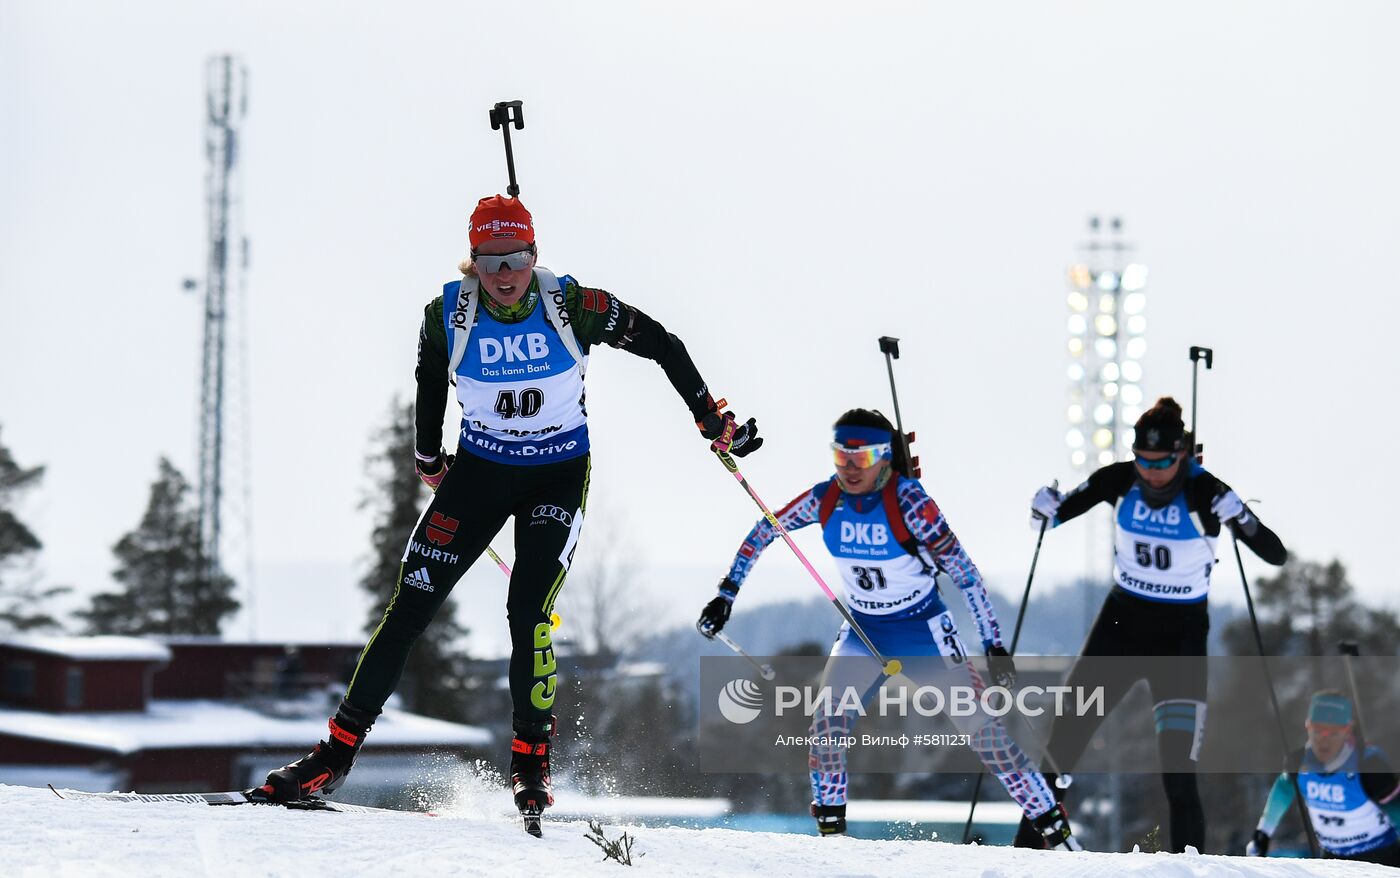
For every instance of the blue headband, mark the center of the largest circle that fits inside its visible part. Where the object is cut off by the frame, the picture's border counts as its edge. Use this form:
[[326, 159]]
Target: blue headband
[[858, 436], [1332, 710]]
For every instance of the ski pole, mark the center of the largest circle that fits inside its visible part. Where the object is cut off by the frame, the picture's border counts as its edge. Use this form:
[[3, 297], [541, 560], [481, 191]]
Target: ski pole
[[1015, 639], [890, 666], [765, 670], [1198, 353], [1030, 577], [554, 618], [890, 348], [1313, 845], [1350, 649], [499, 563], [501, 117]]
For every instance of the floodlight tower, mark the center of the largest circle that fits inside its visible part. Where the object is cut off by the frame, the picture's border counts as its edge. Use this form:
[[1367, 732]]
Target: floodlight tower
[[226, 263], [1107, 341]]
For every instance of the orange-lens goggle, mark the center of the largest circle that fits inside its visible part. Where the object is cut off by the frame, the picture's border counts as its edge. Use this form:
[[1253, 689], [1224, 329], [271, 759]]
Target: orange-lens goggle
[[864, 456], [1328, 730]]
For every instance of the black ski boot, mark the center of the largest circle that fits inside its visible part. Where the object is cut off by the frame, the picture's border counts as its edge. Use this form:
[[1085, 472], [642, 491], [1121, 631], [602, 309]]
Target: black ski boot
[[1027, 834], [831, 819], [324, 769], [529, 770], [1053, 826]]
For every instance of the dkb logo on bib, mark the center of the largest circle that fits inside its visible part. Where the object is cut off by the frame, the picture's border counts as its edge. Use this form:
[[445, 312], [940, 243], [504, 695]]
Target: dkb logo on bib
[[514, 348], [867, 534]]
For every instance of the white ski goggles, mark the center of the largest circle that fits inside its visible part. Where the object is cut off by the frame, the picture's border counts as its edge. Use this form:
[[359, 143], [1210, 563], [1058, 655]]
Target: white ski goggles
[[491, 263]]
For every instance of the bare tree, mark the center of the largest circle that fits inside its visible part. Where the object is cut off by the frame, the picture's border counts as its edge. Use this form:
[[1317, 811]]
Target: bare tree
[[605, 605]]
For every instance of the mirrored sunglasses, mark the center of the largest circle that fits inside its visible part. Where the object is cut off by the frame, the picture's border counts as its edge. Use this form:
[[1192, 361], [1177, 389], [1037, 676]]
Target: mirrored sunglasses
[[490, 263], [1164, 463], [864, 457]]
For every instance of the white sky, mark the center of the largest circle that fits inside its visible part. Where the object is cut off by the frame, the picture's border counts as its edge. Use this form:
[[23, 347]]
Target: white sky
[[779, 184]]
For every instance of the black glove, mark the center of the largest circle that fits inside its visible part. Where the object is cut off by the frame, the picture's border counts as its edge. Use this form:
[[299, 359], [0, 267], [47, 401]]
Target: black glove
[[432, 472], [716, 612], [1259, 845], [728, 435], [1001, 667]]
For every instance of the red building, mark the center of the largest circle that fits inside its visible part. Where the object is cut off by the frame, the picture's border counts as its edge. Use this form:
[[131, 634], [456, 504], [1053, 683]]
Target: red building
[[181, 714]]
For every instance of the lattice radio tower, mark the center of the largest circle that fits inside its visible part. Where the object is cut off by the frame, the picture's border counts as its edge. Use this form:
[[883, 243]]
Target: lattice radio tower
[[223, 397]]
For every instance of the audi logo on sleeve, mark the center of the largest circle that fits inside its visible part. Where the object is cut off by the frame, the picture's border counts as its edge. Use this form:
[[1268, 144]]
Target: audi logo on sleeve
[[544, 512]]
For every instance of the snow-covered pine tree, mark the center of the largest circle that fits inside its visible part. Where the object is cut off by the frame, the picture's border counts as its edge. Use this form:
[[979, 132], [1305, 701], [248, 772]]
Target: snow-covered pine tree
[[23, 603], [165, 586]]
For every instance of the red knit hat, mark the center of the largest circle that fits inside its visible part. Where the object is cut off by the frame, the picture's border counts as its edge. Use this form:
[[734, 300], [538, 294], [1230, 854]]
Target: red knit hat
[[501, 216]]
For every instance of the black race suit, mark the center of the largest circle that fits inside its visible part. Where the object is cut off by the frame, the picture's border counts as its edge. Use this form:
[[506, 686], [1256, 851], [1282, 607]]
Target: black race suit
[[478, 495], [1131, 623]]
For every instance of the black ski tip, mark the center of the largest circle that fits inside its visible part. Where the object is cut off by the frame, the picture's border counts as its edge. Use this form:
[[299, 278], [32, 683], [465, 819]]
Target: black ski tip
[[531, 814], [54, 791], [310, 803]]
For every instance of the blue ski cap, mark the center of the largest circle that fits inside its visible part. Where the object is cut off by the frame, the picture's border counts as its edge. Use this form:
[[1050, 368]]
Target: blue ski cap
[[855, 437], [1330, 709]]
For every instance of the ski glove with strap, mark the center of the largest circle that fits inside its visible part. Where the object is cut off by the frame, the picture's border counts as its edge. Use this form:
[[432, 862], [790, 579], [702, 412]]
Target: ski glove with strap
[[1045, 505], [716, 612], [1228, 506], [728, 435], [433, 470], [1001, 667]]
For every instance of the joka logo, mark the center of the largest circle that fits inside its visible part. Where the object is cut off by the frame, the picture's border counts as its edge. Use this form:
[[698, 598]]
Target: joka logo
[[868, 534], [515, 348], [740, 701], [459, 314], [554, 512], [441, 529], [419, 579], [559, 300]]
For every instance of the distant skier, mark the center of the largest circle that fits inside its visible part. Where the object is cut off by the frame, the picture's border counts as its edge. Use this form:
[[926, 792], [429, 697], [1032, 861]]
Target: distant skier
[[1168, 512], [890, 540], [1353, 796], [515, 340]]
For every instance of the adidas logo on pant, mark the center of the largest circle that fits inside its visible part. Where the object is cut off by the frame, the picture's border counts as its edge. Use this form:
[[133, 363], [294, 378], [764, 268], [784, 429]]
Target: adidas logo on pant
[[419, 579]]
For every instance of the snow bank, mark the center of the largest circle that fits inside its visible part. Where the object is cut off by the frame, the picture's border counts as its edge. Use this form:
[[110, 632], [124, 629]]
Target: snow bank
[[46, 836], [179, 724], [109, 647]]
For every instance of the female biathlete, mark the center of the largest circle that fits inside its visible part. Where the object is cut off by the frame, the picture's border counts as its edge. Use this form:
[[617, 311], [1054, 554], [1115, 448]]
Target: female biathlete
[[890, 540], [515, 340], [1352, 793], [1167, 515]]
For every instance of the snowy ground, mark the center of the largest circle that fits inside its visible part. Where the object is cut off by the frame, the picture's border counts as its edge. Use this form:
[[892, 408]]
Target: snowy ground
[[45, 836]]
